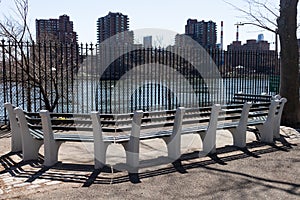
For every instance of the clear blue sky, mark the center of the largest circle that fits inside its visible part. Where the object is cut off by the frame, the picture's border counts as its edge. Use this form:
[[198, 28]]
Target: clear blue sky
[[162, 14]]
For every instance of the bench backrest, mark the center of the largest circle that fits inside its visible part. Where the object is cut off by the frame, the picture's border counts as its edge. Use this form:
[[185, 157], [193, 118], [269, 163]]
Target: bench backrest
[[200, 116], [33, 125], [240, 98], [264, 111], [154, 121], [234, 114], [201, 119]]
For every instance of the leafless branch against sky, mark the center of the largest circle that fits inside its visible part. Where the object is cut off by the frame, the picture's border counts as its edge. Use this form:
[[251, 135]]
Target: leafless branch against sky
[[261, 12]]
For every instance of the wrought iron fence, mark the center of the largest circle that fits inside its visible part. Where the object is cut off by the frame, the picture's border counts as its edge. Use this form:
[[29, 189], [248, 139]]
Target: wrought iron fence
[[114, 79]]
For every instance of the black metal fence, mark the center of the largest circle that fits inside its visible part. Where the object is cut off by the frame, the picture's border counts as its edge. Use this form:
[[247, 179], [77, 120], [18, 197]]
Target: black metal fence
[[114, 79]]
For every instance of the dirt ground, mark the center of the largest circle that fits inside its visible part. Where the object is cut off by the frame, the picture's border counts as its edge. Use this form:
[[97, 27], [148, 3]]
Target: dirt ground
[[260, 171]]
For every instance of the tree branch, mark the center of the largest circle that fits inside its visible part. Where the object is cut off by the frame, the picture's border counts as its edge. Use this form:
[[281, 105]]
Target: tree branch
[[257, 14]]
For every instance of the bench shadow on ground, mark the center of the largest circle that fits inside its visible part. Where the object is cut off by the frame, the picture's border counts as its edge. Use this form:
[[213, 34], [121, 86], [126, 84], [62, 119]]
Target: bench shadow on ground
[[87, 175]]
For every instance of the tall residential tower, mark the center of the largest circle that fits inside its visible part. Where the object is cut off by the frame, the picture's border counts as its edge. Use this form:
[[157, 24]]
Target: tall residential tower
[[112, 24], [205, 33]]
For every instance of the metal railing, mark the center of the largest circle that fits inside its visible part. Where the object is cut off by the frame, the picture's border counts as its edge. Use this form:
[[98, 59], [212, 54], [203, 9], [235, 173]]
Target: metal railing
[[82, 78]]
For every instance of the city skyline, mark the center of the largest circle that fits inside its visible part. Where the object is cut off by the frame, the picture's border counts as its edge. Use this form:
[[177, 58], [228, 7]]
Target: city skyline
[[169, 15]]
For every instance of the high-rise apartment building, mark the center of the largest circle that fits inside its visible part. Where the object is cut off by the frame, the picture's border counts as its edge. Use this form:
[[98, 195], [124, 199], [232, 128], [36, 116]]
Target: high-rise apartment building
[[205, 33], [114, 24], [58, 30]]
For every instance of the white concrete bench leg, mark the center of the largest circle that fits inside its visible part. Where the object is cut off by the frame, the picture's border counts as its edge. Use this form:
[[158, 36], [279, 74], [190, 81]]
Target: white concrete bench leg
[[174, 142], [266, 129], [16, 140], [51, 147], [209, 139], [277, 120], [30, 146], [132, 148], [100, 147], [239, 133]]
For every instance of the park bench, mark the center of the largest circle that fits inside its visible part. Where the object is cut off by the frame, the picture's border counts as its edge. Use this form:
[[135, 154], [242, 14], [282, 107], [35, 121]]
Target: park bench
[[170, 125], [52, 129], [265, 120], [240, 98], [230, 117], [134, 127], [236, 118], [65, 127], [243, 97], [128, 129]]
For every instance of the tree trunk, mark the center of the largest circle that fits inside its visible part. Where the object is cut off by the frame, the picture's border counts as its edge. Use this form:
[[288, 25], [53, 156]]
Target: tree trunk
[[289, 71]]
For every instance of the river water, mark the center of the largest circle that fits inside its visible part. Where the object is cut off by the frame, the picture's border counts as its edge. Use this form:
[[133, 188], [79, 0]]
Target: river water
[[128, 95]]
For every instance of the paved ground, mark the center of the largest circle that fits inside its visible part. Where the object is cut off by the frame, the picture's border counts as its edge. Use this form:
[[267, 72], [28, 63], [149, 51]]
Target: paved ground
[[261, 171]]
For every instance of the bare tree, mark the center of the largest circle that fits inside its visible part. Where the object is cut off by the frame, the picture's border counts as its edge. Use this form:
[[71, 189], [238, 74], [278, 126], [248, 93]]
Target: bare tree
[[34, 61], [280, 20]]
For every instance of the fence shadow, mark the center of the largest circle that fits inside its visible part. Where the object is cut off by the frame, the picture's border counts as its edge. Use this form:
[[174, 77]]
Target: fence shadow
[[86, 174]]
